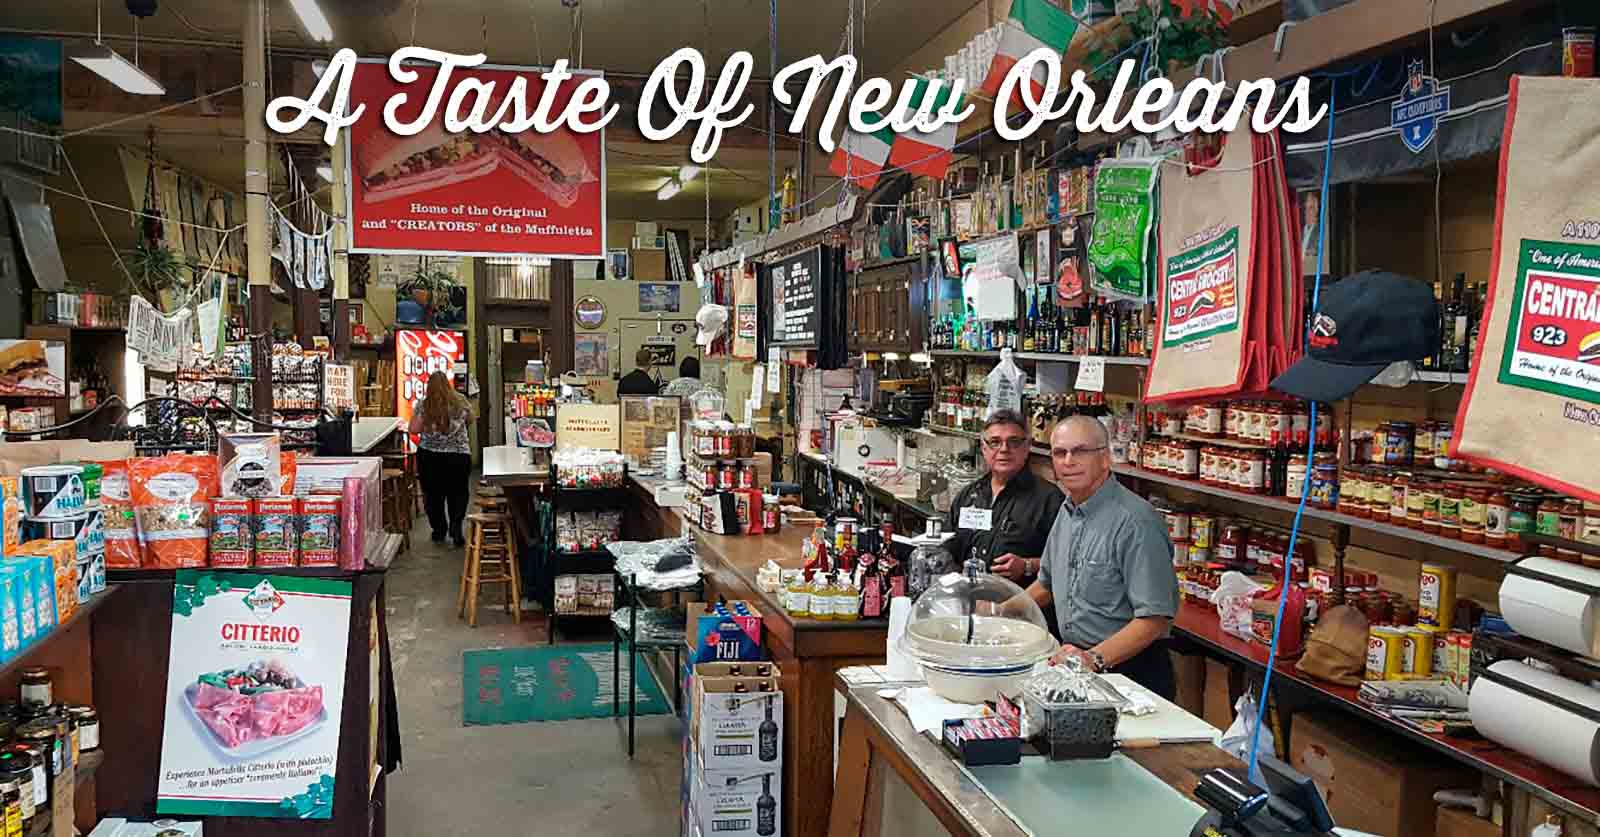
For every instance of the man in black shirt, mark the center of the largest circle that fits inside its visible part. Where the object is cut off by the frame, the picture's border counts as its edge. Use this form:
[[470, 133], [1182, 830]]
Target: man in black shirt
[[1004, 516], [639, 381]]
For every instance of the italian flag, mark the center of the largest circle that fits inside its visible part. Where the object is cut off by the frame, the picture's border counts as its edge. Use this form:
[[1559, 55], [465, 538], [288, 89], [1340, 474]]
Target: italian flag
[[862, 157], [926, 153], [1032, 24]]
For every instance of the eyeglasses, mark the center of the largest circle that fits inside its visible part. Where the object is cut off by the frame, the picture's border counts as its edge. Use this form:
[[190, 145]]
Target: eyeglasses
[[1012, 442], [1075, 452]]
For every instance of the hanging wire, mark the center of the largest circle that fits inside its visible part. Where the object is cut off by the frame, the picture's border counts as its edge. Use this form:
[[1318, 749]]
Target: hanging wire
[[538, 47], [416, 4]]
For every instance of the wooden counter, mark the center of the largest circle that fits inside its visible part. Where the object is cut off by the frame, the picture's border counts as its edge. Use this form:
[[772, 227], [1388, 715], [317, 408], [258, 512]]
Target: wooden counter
[[879, 739], [807, 651]]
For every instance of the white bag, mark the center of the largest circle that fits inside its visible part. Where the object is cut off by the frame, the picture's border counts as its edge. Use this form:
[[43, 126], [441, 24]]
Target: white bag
[[1236, 741], [1232, 598], [1004, 385]]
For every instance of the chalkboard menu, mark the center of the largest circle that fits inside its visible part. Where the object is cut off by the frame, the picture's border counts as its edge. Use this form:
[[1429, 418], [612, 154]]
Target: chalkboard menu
[[796, 283]]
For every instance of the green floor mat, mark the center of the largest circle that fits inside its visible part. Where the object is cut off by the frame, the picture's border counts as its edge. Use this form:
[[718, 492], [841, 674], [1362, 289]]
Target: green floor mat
[[550, 683]]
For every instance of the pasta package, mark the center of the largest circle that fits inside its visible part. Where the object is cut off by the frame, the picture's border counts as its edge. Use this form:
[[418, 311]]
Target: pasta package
[[62, 568], [172, 503], [123, 549], [319, 531], [277, 532], [233, 539]]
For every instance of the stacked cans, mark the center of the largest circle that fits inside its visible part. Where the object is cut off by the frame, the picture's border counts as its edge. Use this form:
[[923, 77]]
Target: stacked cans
[[62, 503]]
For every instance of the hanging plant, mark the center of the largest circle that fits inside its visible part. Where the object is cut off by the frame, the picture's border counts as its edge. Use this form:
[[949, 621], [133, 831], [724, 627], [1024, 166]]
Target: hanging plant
[[428, 288], [1188, 30], [155, 265]]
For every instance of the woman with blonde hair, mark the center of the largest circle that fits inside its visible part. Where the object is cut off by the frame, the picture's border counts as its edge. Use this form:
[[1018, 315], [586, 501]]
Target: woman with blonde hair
[[444, 458]]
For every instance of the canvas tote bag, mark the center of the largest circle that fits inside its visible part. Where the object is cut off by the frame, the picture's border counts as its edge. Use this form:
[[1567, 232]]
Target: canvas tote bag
[[1532, 403], [1204, 344]]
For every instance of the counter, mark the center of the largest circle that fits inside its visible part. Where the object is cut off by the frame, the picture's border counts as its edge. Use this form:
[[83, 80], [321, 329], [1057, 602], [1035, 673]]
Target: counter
[[504, 465], [368, 432], [808, 651], [886, 767]]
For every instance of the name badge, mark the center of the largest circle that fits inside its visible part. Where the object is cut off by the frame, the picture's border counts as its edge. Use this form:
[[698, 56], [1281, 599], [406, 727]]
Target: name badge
[[975, 518]]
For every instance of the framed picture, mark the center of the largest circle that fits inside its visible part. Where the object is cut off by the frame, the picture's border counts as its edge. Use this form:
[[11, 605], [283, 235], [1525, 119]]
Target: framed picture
[[658, 297], [617, 261], [591, 355], [590, 312]]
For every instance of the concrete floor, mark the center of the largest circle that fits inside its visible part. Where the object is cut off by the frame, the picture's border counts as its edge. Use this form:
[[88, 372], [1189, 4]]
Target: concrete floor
[[566, 777]]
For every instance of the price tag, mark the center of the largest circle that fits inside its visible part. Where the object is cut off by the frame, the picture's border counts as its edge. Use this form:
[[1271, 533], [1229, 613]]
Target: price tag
[[774, 369], [974, 518], [1091, 375]]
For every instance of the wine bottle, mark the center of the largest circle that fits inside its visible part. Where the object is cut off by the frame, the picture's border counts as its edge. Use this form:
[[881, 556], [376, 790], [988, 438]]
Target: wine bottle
[[766, 807], [767, 736]]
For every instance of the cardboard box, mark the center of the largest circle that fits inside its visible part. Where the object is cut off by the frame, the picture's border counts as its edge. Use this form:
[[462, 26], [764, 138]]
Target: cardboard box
[[1454, 822], [1190, 672], [41, 574], [1372, 782], [1217, 704], [739, 803], [713, 636], [738, 719], [326, 475], [61, 558]]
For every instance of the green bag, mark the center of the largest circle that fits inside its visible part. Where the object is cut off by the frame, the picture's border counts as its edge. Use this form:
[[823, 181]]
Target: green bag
[[1124, 223]]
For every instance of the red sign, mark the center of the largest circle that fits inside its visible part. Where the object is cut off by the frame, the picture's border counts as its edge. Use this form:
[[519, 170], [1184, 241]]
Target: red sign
[[420, 354], [471, 194]]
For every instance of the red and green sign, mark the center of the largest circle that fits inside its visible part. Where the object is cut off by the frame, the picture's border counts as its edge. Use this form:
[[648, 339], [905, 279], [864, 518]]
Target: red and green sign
[[1553, 340], [1202, 291]]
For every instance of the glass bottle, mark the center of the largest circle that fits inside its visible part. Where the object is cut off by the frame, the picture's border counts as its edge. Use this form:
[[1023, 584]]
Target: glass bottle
[[822, 598]]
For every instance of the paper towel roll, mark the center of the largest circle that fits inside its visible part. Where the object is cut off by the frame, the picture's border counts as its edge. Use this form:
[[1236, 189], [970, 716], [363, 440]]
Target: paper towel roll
[[1548, 612], [1562, 739], [899, 664]]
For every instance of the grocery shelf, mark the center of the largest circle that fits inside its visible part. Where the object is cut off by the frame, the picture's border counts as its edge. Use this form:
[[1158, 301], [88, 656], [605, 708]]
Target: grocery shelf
[[1207, 440], [1288, 506], [890, 262], [1421, 377], [951, 431], [1199, 624]]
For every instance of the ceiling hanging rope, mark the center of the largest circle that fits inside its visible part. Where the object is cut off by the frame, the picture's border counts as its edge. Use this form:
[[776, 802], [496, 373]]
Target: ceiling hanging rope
[[538, 47], [772, 116]]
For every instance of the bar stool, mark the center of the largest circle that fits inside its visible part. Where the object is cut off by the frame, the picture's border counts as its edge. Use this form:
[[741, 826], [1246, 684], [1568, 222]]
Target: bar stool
[[397, 515], [491, 559]]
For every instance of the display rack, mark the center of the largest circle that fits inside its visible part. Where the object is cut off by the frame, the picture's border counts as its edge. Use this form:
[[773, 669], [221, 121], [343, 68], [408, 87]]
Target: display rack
[[587, 562], [629, 587]]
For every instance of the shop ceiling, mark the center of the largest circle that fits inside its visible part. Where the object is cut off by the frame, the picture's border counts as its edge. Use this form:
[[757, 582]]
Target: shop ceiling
[[619, 36]]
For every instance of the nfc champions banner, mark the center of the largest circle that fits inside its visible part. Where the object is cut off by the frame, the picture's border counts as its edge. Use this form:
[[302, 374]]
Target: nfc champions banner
[[255, 688], [1532, 403]]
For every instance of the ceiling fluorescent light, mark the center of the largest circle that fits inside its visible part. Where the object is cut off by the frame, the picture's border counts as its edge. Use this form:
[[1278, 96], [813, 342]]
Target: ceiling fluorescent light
[[688, 173], [325, 171], [104, 62], [668, 189], [312, 18]]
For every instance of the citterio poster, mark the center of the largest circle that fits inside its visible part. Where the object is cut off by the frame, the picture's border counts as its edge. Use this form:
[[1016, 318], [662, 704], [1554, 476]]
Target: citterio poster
[[468, 193], [255, 688]]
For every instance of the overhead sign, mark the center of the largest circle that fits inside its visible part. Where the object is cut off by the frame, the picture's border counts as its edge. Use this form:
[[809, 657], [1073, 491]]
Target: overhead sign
[[467, 193], [255, 692], [1423, 102], [799, 307]]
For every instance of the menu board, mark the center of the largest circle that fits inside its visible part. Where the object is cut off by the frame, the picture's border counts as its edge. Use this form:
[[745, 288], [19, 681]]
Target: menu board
[[795, 281]]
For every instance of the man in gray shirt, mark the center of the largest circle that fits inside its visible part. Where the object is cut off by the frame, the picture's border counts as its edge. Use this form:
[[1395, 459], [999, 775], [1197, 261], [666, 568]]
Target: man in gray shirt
[[1107, 565]]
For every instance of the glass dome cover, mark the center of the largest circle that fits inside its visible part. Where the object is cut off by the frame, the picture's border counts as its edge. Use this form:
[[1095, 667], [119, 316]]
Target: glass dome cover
[[976, 623]]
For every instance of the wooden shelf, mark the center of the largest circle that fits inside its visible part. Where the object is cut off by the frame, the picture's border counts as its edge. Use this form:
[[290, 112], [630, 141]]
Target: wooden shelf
[[22, 659], [1199, 624], [1287, 506]]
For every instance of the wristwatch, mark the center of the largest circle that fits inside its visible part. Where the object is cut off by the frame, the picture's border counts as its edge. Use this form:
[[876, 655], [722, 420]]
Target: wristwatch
[[1096, 660]]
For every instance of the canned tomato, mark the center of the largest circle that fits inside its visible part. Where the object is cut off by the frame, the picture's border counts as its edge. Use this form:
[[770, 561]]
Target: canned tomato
[[1177, 525]]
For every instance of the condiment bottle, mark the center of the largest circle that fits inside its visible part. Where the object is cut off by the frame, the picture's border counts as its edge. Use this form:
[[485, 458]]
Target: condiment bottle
[[1450, 495], [1380, 494], [1415, 503], [1473, 503], [1547, 521], [1570, 528], [1496, 518]]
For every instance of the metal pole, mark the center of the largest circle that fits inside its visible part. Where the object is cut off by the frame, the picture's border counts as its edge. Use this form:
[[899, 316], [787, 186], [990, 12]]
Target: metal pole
[[341, 257], [258, 238]]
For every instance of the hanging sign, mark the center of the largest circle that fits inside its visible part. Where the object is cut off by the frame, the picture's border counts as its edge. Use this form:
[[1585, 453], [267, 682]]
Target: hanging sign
[[595, 426], [1422, 104], [255, 692], [794, 281], [989, 283], [440, 189]]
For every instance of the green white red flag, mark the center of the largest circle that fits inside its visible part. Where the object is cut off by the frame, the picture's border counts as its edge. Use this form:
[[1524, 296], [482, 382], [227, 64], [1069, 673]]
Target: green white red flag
[[1032, 24], [860, 158], [927, 153]]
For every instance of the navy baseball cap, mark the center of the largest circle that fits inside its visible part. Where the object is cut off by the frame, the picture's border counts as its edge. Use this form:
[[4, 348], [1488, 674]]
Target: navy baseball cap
[[1365, 322]]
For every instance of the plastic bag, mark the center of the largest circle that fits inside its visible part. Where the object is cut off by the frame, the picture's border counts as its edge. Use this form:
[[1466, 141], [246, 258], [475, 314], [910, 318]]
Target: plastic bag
[[1004, 385], [172, 501], [1232, 599], [123, 548], [1236, 740]]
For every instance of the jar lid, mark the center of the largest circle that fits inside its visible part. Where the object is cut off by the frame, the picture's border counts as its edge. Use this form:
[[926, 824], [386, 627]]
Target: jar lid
[[35, 672]]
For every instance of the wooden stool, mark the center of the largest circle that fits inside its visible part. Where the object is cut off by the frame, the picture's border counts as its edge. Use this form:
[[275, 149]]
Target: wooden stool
[[491, 559], [397, 514]]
